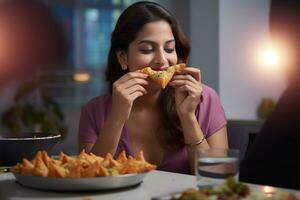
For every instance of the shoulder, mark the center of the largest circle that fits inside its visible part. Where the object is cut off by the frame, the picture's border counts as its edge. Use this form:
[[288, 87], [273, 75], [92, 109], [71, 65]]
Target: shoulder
[[209, 94], [96, 109], [98, 102], [210, 101], [210, 112], [97, 106]]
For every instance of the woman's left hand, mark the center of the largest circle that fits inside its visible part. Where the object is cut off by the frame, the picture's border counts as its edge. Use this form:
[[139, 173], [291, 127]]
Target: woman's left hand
[[188, 90]]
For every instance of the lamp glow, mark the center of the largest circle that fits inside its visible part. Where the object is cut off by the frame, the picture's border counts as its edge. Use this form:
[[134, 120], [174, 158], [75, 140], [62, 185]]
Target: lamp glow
[[81, 77], [270, 58], [268, 190], [274, 57]]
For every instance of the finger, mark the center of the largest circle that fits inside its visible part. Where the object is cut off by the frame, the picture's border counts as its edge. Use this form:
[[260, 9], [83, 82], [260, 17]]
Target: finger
[[129, 83], [135, 95], [186, 77], [179, 83], [195, 72], [132, 75], [135, 81], [187, 80], [190, 90], [136, 88]]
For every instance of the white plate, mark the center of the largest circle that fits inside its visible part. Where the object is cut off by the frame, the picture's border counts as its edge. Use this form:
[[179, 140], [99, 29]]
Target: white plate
[[257, 192], [81, 184]]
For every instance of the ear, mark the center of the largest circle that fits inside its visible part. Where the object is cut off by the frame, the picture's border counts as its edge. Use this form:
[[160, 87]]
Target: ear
[[122, 58]]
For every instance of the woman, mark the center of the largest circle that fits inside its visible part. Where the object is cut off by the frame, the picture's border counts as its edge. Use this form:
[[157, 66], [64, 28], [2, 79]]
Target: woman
[[167, 124]]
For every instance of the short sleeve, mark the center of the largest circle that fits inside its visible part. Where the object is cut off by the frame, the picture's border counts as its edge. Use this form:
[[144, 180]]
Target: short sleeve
[[92, 118], [87, 131], [210, 112]]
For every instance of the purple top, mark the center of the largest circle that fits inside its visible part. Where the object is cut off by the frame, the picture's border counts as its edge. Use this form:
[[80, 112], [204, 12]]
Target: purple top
[[210, 115]]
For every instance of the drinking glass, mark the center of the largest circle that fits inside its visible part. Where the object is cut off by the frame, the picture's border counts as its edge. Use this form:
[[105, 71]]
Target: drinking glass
[[213, 166]]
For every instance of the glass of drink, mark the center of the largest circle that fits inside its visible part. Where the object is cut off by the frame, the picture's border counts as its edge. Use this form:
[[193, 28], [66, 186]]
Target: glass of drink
[[213, 166]]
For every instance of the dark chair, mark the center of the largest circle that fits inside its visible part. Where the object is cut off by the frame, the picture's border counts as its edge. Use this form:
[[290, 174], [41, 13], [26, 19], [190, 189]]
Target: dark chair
[[241, 134], [251, 138]]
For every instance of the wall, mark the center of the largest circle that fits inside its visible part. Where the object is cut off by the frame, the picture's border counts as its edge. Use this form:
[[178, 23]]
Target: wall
[[199, 20], [243, 28], [224, 37], [204, 28]]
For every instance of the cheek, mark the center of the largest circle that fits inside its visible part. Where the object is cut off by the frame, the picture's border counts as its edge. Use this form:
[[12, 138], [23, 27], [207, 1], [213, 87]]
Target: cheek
[[173, 59], [139, 61]]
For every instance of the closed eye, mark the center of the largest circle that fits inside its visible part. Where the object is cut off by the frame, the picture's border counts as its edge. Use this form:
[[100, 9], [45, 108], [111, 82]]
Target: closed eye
[[146, 51], [168, 50]]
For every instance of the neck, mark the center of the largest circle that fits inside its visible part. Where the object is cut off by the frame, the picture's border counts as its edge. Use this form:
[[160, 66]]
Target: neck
[[148, 101]]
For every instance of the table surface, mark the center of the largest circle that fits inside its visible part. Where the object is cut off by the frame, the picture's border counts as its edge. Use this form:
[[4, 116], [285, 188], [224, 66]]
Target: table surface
[[156, 183]]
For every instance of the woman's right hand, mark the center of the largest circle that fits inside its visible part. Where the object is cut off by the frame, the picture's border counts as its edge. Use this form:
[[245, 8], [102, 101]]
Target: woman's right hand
[[124, 91]]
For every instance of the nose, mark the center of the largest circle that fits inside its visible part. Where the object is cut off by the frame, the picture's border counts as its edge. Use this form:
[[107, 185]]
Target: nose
[[160, 58]]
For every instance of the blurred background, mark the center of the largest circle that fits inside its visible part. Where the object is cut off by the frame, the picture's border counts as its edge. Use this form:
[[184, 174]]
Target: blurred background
[[64, 59]]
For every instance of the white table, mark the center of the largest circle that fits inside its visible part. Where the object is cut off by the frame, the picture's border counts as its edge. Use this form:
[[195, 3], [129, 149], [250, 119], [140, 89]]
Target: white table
[[156, 183]]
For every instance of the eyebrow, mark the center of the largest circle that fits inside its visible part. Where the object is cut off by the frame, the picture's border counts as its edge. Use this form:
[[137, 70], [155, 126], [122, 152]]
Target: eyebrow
[[152, 42]]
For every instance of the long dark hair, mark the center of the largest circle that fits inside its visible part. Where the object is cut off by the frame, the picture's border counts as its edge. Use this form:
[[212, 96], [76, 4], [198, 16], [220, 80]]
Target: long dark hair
[[128, 25]]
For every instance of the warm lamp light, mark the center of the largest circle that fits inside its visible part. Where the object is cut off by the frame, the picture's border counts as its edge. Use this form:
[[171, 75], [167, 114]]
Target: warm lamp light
[[268, 190], [30, 39], [81, 77], [273, 58], [270, 58]]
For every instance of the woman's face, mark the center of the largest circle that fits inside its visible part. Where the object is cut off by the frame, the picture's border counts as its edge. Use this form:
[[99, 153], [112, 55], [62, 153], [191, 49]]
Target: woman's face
[[154, 47]]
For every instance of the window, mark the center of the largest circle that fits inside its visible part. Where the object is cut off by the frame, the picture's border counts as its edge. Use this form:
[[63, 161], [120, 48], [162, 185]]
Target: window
[[88, 25]]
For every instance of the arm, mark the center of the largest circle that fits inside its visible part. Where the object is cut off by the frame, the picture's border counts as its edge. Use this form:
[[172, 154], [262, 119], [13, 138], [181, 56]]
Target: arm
[[125, 91], [188, 90], [192, 132]]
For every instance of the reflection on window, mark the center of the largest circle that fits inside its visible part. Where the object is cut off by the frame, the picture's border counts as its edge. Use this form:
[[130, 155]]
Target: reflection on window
[[97, 29], [87, 25]]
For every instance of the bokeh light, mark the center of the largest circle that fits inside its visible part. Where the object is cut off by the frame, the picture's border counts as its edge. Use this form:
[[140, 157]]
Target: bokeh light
[[81, 77], [273, 58], [270, 58]]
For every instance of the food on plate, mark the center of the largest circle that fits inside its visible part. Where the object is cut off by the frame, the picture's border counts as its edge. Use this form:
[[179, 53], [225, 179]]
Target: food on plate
[[232, 190], [163, 77], [83, 165]]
